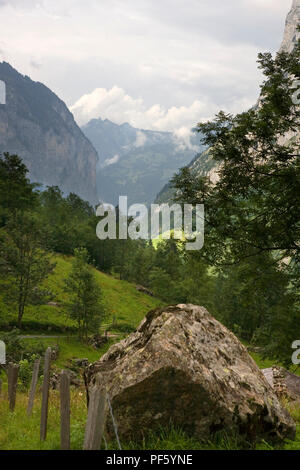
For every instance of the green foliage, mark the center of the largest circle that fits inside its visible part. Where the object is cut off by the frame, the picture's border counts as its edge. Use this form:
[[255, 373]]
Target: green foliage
[[18, 348], [252, 212], [25, 372], [84, 304], [255, 205], [23, 262], [121, 327], [17, 432], [13, 345], [16, 191]]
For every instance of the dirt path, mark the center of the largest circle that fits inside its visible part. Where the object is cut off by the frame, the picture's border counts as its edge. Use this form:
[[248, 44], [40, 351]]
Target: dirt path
[[109, 335]]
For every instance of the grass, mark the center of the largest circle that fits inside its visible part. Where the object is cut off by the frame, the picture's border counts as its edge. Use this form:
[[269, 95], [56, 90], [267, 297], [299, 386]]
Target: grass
[[126, 307], [19, 432], [71, 348], [121, 300], [266, 363]]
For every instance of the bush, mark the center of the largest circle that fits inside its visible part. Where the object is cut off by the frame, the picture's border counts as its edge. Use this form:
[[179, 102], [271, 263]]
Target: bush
[[25, 373], [121, 327]]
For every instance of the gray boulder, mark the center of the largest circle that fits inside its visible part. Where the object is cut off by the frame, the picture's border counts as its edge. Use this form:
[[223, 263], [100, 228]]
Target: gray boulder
[[183, 367], [284, 383]]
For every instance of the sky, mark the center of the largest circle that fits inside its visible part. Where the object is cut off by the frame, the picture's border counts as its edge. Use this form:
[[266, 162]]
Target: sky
[[158, 64]]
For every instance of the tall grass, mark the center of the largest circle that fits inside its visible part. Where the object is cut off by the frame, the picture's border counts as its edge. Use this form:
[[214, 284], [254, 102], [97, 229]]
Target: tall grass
[[19, 432]]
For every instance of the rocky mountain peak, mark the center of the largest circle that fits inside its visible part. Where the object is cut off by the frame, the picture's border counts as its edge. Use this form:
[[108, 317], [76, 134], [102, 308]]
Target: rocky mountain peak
[[36, 125], [290, 33]]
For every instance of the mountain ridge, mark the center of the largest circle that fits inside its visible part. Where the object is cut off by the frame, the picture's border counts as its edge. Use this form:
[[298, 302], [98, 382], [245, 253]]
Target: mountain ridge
[[37, 125], [136, 162]]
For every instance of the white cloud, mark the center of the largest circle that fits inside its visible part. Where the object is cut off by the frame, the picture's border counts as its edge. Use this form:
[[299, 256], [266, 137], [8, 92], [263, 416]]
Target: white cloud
[[174, 62], [111, 161], [141, 139], [113, 104], [118, 106], [182, 137]]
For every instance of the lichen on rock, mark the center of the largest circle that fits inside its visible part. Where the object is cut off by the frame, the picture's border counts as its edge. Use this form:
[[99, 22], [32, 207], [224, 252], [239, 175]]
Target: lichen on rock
[[183, 367]]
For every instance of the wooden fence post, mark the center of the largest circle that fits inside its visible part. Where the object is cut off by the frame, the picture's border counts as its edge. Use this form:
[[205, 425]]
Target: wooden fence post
[[9, 376], [13, 373], [64, 410], [96, 419], [34, 380], [45, 395]]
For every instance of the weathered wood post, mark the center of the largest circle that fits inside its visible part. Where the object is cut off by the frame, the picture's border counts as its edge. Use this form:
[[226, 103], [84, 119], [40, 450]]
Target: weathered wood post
[[34, 380], [13, 373], [96, 419], [9, 372], [64, 410], [45, 395]]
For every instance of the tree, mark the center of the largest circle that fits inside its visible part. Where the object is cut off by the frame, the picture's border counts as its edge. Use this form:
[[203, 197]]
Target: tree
[[24, 264], [255, 205], [252, 213], [84, 304], [16, 191]]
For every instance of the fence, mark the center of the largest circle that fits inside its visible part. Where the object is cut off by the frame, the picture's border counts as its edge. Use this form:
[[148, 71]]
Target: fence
[[98, 407]]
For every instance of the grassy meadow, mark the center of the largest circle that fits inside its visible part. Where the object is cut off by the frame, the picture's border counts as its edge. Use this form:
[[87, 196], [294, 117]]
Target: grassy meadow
[[19, 432], [49, 325]]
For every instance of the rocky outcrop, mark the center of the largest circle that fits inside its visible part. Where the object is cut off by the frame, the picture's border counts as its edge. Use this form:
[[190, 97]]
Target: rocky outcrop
[[284, 383], [182, 366], [291, 35], [37, 125], [144, 290]]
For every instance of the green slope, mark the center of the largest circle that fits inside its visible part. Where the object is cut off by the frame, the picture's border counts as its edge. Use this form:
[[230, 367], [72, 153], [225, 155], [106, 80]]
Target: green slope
[[121, 300]]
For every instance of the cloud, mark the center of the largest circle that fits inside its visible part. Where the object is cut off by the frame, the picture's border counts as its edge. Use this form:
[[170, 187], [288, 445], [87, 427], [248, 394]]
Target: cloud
[[141, 139], [182, 138], [28, 4], [118, 106], [157, 65], [35, 65], [111, 161], [113, 104]]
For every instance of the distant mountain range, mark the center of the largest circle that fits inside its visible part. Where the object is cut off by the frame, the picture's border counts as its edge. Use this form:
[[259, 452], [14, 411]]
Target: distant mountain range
[[37, 125], [102, 161], [134, 162]]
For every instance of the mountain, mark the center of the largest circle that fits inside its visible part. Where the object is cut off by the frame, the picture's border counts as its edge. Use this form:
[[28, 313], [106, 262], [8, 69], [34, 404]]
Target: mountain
[[136, 162], [37, 125], [290, 33], [203, 164]]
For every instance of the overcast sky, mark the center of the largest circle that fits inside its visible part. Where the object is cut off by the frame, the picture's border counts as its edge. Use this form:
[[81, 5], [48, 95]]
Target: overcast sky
[[157, 64]]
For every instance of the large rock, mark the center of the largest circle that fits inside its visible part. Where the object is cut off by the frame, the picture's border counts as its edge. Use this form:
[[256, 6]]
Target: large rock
[[284, 383], [182, 366]]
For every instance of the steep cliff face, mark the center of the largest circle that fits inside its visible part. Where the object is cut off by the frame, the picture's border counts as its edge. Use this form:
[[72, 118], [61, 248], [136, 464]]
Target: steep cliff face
[[37, 125], [291, 35]]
